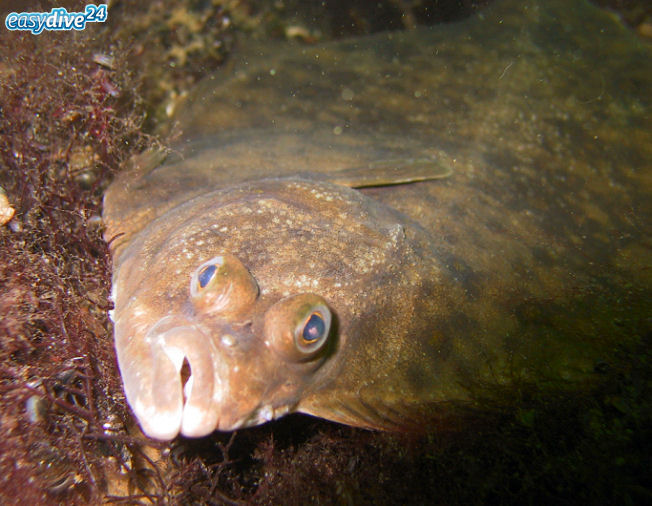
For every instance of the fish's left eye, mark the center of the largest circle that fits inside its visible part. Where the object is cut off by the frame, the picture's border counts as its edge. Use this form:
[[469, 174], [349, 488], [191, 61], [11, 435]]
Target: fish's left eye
[[223, 286], [205, 275]]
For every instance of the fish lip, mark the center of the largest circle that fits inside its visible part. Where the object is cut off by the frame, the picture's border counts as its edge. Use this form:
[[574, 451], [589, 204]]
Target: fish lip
[[158, 399]]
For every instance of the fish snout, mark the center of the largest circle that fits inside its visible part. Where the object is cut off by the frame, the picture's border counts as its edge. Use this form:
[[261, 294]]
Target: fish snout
[[163, 404], [176, 372]]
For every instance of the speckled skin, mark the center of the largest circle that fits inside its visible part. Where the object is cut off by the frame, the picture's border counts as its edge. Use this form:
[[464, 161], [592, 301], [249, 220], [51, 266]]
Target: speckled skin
[[508, 270]]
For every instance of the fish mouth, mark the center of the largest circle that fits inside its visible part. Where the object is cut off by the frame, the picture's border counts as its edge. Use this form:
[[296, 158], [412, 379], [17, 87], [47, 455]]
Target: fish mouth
[[166, 405]]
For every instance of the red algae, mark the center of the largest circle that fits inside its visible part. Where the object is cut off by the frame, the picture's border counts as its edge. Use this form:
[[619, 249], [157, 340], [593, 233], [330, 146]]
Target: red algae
[[61, 136]]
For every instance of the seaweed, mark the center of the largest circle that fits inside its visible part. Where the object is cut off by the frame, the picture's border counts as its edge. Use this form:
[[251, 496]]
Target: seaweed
[[63, 124]]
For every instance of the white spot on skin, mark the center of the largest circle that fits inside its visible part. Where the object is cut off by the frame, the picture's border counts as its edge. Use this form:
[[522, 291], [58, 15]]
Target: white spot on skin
[[267, 413], [347, 94]]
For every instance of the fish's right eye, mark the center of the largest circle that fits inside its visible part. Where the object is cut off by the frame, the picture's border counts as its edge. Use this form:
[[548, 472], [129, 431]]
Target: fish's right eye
[[223, 285], [298, 327], [314, 328]]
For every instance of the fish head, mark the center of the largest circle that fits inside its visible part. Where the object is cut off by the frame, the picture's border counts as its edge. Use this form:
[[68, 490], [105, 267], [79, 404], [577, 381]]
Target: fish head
[[232, 307], [225, 359]]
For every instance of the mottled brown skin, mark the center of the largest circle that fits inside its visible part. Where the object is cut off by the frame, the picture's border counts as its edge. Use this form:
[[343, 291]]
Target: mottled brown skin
[[295, 237], [500, 273]]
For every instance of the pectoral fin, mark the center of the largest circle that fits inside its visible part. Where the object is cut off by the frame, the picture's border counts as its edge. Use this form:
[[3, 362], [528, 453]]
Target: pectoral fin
[[389, 172]]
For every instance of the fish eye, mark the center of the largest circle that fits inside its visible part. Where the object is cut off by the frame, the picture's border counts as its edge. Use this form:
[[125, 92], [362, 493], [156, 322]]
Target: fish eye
[[298, 327], [313, 329], [222, 285], [206, 274]]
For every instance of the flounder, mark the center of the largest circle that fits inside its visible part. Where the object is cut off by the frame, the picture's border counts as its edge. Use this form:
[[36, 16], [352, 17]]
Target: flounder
[[366, 230]]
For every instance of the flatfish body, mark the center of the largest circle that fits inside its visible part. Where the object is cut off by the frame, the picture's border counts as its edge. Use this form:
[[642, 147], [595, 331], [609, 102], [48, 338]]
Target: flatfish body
[[374, 230]]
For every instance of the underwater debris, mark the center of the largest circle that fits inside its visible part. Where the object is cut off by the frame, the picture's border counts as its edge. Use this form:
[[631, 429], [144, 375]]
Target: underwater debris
[[6, 211]]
